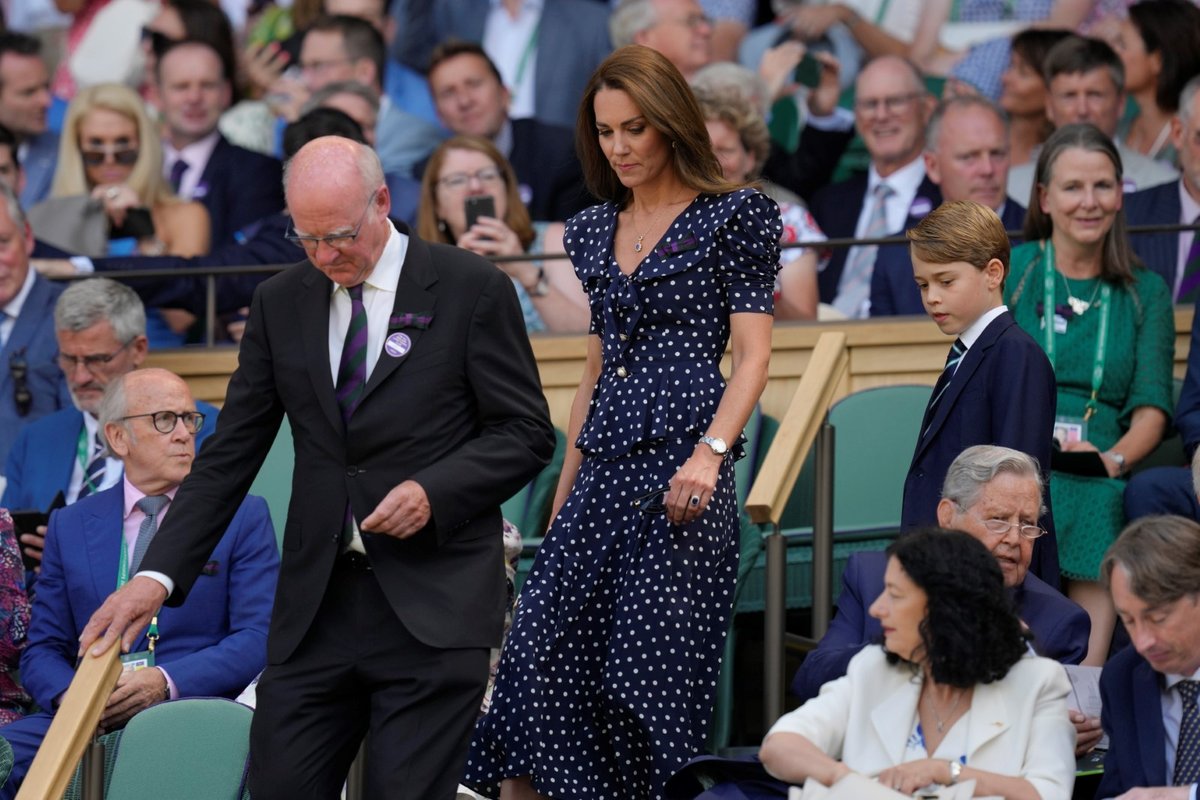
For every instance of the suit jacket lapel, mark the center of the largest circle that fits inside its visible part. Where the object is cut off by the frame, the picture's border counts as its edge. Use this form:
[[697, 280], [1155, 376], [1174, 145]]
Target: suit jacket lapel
[[314, 310], [28, 321], [893, 718], [988, 717], [1148, 720], [102, 532]]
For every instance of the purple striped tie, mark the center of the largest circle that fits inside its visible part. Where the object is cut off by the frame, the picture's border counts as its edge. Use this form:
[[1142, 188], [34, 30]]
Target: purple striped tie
[[352, 370], [1189, 287]]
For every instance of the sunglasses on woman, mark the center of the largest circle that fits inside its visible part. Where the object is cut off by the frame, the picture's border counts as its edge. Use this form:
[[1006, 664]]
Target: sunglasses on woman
[[125, 156]]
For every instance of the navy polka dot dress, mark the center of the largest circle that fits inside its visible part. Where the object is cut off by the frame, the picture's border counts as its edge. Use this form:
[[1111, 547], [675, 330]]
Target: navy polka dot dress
[[607, 679]]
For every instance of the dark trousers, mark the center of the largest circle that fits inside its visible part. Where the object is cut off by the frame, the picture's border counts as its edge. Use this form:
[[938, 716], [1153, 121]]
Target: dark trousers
[[359, 671]]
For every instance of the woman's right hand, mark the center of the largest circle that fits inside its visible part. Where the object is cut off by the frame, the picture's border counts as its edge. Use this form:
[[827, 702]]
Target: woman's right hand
[[489, 237], [117, 198]]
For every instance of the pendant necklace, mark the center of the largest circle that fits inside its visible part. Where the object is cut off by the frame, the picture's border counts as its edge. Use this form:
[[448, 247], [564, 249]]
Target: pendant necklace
[[1078, 305], [937, 718], [637, 246]]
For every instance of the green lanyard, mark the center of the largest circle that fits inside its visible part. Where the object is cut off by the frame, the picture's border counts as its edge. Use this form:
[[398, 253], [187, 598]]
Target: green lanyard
[[956, 9], [883, 9], [525, 54], [1048, 314], [122, 579], [82, 452]]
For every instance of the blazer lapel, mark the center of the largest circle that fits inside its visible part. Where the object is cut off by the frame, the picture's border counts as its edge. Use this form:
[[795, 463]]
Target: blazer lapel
[[1149, 723], [988, 717], [314, 311], [893, 718], [102, 532]]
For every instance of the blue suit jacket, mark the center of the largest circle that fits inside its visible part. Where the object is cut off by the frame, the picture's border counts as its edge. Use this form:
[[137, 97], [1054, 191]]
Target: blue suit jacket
[[1157, 205], [1132, 718], [238, 187], [41, 460], [32, 338], [836, 209], [1003, 394], [893, 290], [1060, 627], [214, 644], [1187, 412], [572, 40], [38, 165]]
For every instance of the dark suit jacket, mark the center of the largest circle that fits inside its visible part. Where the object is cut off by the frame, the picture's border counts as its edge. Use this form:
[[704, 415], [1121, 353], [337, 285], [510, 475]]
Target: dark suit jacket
[[461, 413], [1060, 627], [32, 339], [1003, 394], [40, 463], [812, 165], [572, 40], [836, 209], [214, 645], [1187, 412], [238, 187], [893, 290], [1158, 205], [1132, 718]]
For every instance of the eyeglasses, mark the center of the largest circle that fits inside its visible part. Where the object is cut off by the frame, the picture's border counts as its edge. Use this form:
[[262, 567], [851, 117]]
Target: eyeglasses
[[68, 363], [18, 370], [892, 105], [1001, 527], [459, 180], [322, 65], [125, 156], [164, 421], [338, 241], [694, 21], [652, 502], [159, 41]]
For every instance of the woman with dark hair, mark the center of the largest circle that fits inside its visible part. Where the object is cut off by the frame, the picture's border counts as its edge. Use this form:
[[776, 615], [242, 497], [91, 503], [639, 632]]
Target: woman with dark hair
[[1159, 44], [1106, 324], [607, 680], [466, 167], [954, 694], [193, 21], [1023, 92]]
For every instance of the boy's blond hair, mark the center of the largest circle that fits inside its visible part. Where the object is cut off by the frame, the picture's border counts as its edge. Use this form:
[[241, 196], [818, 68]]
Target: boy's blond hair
[[961, 231]]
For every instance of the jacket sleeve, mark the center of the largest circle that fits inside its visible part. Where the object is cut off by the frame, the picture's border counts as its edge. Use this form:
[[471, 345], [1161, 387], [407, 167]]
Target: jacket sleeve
[[48, 663], [842, 641]]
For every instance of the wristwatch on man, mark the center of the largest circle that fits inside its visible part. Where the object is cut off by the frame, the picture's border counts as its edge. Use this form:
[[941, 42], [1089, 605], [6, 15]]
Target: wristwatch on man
[[717, 445]]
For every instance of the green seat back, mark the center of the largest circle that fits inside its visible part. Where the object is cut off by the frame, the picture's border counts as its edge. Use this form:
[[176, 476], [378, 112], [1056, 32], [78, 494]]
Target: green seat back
[[274, 479]]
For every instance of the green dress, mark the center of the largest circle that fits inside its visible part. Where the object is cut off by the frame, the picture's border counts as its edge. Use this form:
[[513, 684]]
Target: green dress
[[1139, 355]]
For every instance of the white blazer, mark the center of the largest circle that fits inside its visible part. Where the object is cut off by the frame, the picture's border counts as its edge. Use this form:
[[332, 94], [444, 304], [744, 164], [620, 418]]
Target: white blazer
[[1017, 726]]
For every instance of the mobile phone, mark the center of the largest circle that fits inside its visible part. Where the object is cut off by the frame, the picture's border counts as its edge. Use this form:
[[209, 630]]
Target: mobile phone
[[138, 223], [808, 71], [478, 205], [27, 521]]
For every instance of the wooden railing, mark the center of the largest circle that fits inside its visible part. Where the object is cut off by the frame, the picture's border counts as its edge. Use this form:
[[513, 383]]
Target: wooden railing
[[803, 425], [73, 727]]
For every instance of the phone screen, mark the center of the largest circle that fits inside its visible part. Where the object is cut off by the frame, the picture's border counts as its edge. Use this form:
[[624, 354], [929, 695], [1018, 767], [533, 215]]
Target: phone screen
[[479, 205]]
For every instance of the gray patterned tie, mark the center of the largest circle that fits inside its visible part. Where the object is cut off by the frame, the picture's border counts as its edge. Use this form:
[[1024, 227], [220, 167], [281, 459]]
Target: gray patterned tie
[[854, 287], [150, 505]]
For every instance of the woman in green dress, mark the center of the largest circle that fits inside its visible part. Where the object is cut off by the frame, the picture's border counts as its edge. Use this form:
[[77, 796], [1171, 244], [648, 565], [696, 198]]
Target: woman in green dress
[[1107, 325]]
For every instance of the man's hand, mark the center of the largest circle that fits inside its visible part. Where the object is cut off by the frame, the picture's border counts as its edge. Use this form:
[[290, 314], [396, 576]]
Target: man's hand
[[402, 513], [823, 99], [134, 691], [1087, 732], [124, 615], [32, 545], [1157, 793]]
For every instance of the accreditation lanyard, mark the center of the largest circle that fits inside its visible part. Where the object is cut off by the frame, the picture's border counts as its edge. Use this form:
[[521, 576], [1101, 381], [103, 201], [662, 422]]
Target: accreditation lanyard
[[526, 54], [1048, 331], [956, 9], [122, 579], [83, 452]]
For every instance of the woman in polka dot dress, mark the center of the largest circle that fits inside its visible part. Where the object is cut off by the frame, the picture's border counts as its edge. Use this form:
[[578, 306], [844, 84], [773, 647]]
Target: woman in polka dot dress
[[606, 683]]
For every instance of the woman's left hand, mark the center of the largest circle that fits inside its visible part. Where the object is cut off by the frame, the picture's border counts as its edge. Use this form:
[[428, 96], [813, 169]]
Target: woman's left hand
[[907, 778], [695, 481], [1114, 469], [117, 199], [490, 237]]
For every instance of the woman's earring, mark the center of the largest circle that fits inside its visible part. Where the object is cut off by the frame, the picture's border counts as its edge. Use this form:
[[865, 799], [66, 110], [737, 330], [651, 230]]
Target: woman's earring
[[442, 225]]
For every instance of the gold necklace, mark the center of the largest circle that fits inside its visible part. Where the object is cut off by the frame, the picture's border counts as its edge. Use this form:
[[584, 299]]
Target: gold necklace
[[937, 718], [637, 246], [1077, 305]]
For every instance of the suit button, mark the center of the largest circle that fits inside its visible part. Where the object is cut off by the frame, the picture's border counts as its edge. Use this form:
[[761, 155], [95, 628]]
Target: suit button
[[351, 471], [622, 372]]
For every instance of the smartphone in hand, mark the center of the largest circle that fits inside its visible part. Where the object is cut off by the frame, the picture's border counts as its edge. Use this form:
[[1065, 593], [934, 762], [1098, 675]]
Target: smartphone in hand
[[478, 205]]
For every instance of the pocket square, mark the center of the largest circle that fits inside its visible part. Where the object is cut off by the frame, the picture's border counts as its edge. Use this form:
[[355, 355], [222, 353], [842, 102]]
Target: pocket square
[[211, 568], [418, 321], [681, 245]]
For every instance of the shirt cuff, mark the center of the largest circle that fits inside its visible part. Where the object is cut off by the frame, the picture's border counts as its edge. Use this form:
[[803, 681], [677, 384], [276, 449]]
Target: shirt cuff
[[840, 120], [166, 582], [82, 264], [172, 692]]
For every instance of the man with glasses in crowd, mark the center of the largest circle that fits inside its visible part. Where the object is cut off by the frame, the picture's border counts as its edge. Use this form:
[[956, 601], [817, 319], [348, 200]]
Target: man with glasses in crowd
[[211, 646], [100, 326], [31, 384]]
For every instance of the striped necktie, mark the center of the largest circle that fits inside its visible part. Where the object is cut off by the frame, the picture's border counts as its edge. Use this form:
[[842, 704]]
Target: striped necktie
[[1187, 750], [93, 472], [953, 359], [854, 286], [352, 370], [150, 505], [1189, 287]]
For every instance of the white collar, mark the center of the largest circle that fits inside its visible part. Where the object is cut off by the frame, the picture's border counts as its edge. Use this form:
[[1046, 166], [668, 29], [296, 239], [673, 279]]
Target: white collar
[[972, 334], [1189, 208], [195, 154], [386, 272], [14, 306], [904, 181]]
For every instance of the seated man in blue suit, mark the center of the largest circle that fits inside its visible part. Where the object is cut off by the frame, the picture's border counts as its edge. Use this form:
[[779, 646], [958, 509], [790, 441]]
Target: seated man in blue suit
[[100, 327], [25, 102], [1149, 690], [213, 644], [994, 494], [966, 156]]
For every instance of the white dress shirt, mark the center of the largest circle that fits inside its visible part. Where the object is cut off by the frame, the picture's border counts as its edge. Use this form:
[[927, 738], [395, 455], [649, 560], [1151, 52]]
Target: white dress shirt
[[1189, 209], [13, 309], [512, 46], [972, 334], [112, 466], [196, 155]]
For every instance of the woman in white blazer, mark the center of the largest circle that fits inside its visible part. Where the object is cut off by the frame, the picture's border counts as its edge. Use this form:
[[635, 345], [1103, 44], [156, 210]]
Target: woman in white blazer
[[954, 694]]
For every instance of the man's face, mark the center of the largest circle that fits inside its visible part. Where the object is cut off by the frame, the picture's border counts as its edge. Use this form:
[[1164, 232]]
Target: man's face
[[1008, 498], [92, 357], [1086, 97], [192, 93], [154, 460], [323, 60], [890, 110], [357, 109], [1185, 134], [470, 100], [1167, 636], [340, 210], [682, 33], [16, 243], [971, 160], [24, 94]]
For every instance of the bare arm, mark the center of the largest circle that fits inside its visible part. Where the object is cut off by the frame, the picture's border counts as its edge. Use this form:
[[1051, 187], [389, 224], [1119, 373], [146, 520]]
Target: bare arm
[[792, 758], [579, 409], [798, 287], [926, 41], [1145, 432], [185, 229], [908, 777]]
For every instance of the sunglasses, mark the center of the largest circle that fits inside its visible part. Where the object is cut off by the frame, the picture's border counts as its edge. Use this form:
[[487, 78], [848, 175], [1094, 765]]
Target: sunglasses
[[18, 370], [126, 156], [653, 502]]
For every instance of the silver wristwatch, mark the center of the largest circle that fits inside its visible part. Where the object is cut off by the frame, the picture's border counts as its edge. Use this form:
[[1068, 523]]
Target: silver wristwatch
[[717, 444]]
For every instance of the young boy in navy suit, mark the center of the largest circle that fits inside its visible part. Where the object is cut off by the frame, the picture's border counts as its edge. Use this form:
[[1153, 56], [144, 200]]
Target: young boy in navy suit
[[997, 386]]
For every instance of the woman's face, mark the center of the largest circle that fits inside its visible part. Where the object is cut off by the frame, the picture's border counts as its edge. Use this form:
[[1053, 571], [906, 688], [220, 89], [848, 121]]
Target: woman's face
[[467, 173], [1082, 196], [637, 152], [900, 610], [1141, 68], [737, 163], [1022, 92], [108, 144]]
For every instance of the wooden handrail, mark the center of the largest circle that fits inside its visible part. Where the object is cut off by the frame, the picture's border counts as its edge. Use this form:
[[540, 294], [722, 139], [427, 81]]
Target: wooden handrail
[[73, 727], [772, 487]]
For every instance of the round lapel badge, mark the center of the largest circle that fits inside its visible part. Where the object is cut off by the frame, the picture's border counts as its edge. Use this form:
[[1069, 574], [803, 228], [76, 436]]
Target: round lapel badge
[[397, 345]]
